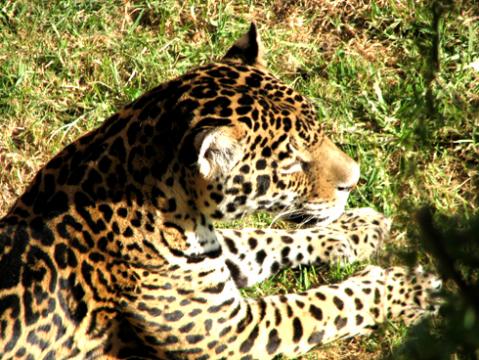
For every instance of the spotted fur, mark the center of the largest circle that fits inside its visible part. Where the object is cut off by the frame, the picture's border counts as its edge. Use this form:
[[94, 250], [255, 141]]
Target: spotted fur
[[111, 251]]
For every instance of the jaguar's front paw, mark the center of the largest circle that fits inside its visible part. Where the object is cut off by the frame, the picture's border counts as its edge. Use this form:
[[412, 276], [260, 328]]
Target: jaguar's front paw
[[411, 294], [365, 228]]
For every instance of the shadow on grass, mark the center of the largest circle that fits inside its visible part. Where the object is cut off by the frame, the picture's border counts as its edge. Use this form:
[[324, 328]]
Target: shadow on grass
[[452, 242], [455, 249]]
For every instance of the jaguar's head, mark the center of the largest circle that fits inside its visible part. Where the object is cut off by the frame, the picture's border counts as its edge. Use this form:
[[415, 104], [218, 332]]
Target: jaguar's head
[[256, 144]]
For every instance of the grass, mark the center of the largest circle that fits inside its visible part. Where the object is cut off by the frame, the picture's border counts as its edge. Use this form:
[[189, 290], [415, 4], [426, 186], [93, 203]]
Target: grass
[[396, 86]]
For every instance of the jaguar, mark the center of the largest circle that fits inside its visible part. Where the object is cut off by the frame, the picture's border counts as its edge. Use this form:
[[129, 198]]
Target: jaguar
[[111, 252]]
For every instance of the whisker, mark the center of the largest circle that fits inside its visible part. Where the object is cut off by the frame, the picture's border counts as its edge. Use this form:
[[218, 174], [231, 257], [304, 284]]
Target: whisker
[[283, 214]]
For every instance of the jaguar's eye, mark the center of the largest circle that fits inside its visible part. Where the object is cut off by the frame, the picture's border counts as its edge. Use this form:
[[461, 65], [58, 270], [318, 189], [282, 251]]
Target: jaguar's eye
[[305, 165], [296, 166], [299, 161], [291, 168]]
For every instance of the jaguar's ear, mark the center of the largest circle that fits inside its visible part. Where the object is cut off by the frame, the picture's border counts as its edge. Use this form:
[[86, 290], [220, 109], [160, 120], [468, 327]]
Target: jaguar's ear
[[248, 49], [218, 152]]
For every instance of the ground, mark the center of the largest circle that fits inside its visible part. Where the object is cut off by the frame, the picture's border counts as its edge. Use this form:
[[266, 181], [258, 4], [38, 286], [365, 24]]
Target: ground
[[396, 85]]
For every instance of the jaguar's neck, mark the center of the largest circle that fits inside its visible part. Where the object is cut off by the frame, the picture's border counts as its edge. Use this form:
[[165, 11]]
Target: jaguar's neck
[[138, 222], [100, 201]]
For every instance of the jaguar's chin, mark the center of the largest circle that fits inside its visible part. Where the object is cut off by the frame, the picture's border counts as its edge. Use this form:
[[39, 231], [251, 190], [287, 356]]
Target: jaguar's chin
[[306, 220], [308, 217]]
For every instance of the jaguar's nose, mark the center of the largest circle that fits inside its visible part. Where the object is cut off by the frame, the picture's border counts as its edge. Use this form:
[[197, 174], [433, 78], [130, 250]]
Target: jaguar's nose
[[350, 176]]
